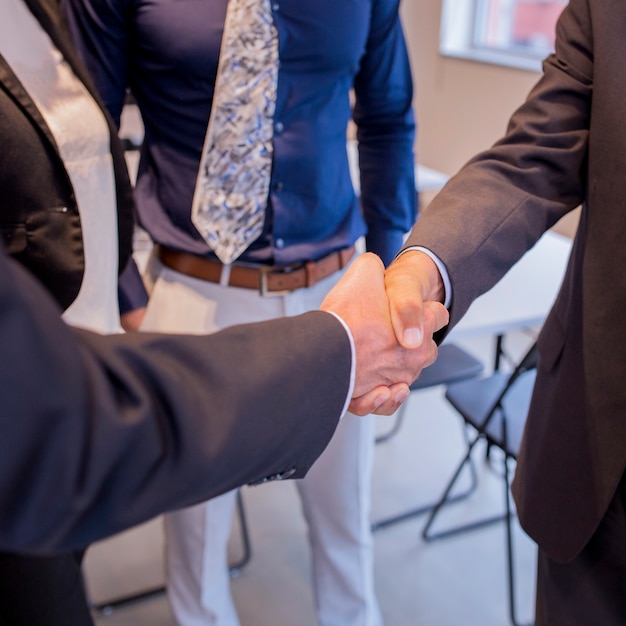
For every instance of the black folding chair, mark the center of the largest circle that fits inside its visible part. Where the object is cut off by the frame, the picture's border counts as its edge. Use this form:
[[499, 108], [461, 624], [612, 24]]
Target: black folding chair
[[452, 364], [495, 407]]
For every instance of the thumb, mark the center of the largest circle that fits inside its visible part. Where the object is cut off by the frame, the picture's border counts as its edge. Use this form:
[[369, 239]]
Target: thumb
[[406, 307], [411, 280]]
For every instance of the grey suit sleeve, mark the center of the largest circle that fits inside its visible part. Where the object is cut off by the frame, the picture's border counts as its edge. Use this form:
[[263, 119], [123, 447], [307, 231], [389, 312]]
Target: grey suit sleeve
[[504, 199], [101, 433]]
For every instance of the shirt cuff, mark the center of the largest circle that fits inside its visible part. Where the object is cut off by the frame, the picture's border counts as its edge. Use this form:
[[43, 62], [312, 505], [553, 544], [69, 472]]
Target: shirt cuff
[[447, 285], [353, 362]]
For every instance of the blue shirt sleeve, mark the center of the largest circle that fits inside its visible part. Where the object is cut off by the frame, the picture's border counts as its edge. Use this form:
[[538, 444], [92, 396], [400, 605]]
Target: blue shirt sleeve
[[385, 122], [132, 293], [103, 46]]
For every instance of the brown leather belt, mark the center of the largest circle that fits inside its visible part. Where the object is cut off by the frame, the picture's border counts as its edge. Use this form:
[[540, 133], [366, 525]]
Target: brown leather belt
[[266, 279]]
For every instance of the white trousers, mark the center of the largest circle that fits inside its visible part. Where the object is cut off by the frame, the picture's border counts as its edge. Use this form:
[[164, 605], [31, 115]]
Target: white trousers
[[335, 494]]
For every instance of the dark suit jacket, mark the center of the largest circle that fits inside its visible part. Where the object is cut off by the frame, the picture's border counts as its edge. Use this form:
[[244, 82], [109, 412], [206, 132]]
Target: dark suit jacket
[[39, 218], [101, 433], [565, 146]]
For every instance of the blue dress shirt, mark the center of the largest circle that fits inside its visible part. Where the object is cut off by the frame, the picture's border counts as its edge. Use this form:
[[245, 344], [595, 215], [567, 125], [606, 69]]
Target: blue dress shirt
[[166, 52]]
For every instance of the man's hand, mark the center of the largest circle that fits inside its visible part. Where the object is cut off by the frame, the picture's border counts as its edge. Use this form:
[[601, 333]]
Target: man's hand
[[382, 400], [131, 321], [414, 287], [384, 369]]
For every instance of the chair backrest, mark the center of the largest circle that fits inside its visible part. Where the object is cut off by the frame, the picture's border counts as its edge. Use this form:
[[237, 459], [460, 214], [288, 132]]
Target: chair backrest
[[526, 364], [453, 364], [505, 425], [497, 405]]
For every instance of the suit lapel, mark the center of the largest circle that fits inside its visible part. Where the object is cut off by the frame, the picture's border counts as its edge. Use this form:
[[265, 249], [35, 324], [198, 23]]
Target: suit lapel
[[12, 86], [45, 13], [48, 15]]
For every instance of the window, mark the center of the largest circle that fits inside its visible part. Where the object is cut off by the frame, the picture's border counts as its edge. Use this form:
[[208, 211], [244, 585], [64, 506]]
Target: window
[[518, 33]]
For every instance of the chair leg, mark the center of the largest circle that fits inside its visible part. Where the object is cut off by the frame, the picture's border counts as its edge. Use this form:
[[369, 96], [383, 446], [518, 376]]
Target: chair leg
[[499, 352], [446, 499], [425, 508], [108, 606], [509, 541], [395, 428], [498, 355], [237, 567]]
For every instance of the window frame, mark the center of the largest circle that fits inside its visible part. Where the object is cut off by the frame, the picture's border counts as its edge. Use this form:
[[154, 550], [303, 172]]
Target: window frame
[[463, 25]]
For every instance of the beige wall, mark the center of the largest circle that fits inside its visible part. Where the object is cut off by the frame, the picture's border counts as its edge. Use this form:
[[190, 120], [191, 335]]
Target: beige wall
[[461, 106]]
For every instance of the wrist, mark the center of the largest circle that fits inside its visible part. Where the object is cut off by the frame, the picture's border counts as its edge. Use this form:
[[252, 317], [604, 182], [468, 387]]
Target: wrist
[[425, 271]]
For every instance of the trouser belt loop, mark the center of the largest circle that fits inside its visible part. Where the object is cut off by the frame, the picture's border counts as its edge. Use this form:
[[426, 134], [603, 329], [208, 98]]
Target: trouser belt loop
[[225, 276]]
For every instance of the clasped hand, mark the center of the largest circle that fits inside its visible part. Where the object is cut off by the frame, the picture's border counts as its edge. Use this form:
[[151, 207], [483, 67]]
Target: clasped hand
[[393, 337]]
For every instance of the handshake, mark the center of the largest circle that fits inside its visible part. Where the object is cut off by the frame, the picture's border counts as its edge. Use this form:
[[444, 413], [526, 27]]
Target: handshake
[[392, 316]]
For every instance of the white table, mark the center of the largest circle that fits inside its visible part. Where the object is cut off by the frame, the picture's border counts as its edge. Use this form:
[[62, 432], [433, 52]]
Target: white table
[[428, 179], [524, 296]]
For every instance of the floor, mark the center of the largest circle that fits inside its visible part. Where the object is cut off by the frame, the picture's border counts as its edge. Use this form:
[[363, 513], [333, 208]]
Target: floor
[[460, 580]]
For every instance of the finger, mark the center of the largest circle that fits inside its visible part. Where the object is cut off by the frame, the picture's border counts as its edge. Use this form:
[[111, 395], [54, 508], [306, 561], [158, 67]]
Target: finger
[[380, 401], [370, 401], [399, 393]]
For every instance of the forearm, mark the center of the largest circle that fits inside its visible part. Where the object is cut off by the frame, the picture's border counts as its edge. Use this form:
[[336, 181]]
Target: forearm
[[114, 430]]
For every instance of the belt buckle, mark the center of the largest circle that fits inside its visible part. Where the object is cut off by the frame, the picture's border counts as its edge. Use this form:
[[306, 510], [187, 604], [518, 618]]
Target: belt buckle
[[264, 272]]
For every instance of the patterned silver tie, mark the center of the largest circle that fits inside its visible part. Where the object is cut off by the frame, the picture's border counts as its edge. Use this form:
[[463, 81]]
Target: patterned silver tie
[[233, 180]]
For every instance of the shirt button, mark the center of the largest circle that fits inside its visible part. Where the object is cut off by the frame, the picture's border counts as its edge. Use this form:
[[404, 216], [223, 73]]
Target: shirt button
[[275, 6], [280, 244], [279, 127], [278, 186]]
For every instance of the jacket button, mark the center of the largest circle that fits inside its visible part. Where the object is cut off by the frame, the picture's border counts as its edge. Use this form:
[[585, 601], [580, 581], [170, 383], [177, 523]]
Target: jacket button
[[279, 476], [288, 474]]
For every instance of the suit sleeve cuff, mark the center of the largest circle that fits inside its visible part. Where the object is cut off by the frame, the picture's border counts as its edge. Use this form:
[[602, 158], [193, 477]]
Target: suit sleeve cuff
[[353, 363], [447, 285]]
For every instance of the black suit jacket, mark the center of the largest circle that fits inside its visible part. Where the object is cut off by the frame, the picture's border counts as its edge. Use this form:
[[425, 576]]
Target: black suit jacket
[[564, 147], [101, 433], [98, 434], [39, 218]]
